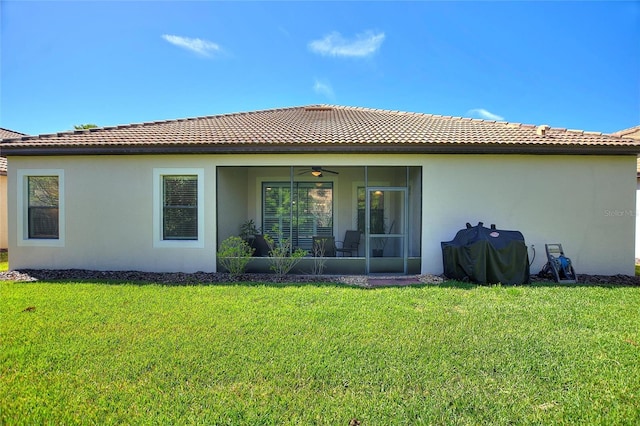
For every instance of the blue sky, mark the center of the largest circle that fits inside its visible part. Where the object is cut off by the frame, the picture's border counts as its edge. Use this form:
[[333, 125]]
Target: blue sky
[[566, 64]]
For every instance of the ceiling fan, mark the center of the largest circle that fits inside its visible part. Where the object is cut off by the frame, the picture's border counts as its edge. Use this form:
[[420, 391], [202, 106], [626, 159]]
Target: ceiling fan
[[317, 171]]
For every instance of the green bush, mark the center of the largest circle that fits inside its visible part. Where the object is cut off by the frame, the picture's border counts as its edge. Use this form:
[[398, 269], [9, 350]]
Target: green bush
[[234, 254], [280, 255], [4, 261]]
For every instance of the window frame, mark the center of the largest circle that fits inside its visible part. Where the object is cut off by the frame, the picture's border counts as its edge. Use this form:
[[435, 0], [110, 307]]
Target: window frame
[[158, 208], [290, 231], [23, 238]]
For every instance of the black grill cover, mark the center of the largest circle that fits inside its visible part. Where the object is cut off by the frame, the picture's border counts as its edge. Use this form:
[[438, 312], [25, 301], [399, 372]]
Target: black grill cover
[[486, 256]]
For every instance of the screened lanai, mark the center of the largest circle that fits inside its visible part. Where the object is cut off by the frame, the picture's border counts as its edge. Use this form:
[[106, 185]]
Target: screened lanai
[[378, 207]]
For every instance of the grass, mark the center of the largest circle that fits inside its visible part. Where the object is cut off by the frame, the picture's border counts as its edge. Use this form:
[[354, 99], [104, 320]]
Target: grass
[[76, 353]]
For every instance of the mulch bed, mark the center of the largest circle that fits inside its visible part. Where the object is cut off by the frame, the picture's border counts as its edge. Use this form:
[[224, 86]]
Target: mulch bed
[[179, 278]]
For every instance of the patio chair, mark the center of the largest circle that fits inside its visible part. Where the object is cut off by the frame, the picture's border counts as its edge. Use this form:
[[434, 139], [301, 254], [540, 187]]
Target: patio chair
[[350, 244], [324, 246]]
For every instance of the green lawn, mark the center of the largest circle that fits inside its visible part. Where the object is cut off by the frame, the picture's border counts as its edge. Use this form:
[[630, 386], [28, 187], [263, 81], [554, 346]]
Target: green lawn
[[98, 353]]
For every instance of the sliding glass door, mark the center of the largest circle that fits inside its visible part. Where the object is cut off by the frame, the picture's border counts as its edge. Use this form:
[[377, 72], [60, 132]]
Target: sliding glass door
[[308, 213]]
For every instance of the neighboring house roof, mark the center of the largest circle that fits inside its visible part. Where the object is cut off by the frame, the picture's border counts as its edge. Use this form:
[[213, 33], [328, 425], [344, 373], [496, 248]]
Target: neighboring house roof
[[632, 132], [6, 134], [323, 128]]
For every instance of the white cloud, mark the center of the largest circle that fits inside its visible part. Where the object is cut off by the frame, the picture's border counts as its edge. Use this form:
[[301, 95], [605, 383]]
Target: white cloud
[[199, 46], [483, 113], [334, 44], [323, 88]]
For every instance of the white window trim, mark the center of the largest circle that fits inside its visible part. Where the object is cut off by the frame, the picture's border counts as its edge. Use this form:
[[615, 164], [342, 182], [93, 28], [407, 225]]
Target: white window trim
[[158, 242], [23, 209]]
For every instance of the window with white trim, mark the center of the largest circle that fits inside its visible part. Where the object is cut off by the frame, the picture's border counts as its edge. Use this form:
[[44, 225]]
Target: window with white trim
[[41, 207], [178, 208]]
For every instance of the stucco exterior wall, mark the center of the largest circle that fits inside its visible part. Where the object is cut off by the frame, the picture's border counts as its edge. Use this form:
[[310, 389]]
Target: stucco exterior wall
[[635, 133], [637, 213], [233, 192], [109, 209], [583, 202], [586, 203], [4, 240]]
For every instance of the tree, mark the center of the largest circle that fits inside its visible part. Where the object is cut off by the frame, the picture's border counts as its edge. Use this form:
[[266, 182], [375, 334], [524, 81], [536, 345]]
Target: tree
[[84, 126]]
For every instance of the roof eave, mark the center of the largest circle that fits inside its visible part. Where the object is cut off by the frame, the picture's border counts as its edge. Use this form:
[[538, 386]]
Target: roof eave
[[373, 148]]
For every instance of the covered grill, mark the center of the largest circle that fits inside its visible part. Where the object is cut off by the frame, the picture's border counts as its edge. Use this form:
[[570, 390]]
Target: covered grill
[[486, 256]]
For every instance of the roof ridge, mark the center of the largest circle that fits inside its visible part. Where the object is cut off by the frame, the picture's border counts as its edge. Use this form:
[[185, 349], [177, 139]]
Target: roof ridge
[[11, 131], [451, 117], [10, 135], [623, 132], [151, 123]]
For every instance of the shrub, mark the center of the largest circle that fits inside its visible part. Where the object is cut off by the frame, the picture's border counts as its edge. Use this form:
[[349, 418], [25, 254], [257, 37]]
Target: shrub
[[234, 254], [280, 255], [319, 261], [248, 229]]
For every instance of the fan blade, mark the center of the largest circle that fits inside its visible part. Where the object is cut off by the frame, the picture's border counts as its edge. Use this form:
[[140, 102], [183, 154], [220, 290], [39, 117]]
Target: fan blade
[[330, 171]]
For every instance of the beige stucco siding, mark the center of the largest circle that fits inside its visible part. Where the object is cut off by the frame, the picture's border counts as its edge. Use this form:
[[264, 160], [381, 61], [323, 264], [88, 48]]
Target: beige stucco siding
[[4, 241], [637, 214], [583, 202], [109, 210], [586, 203]]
